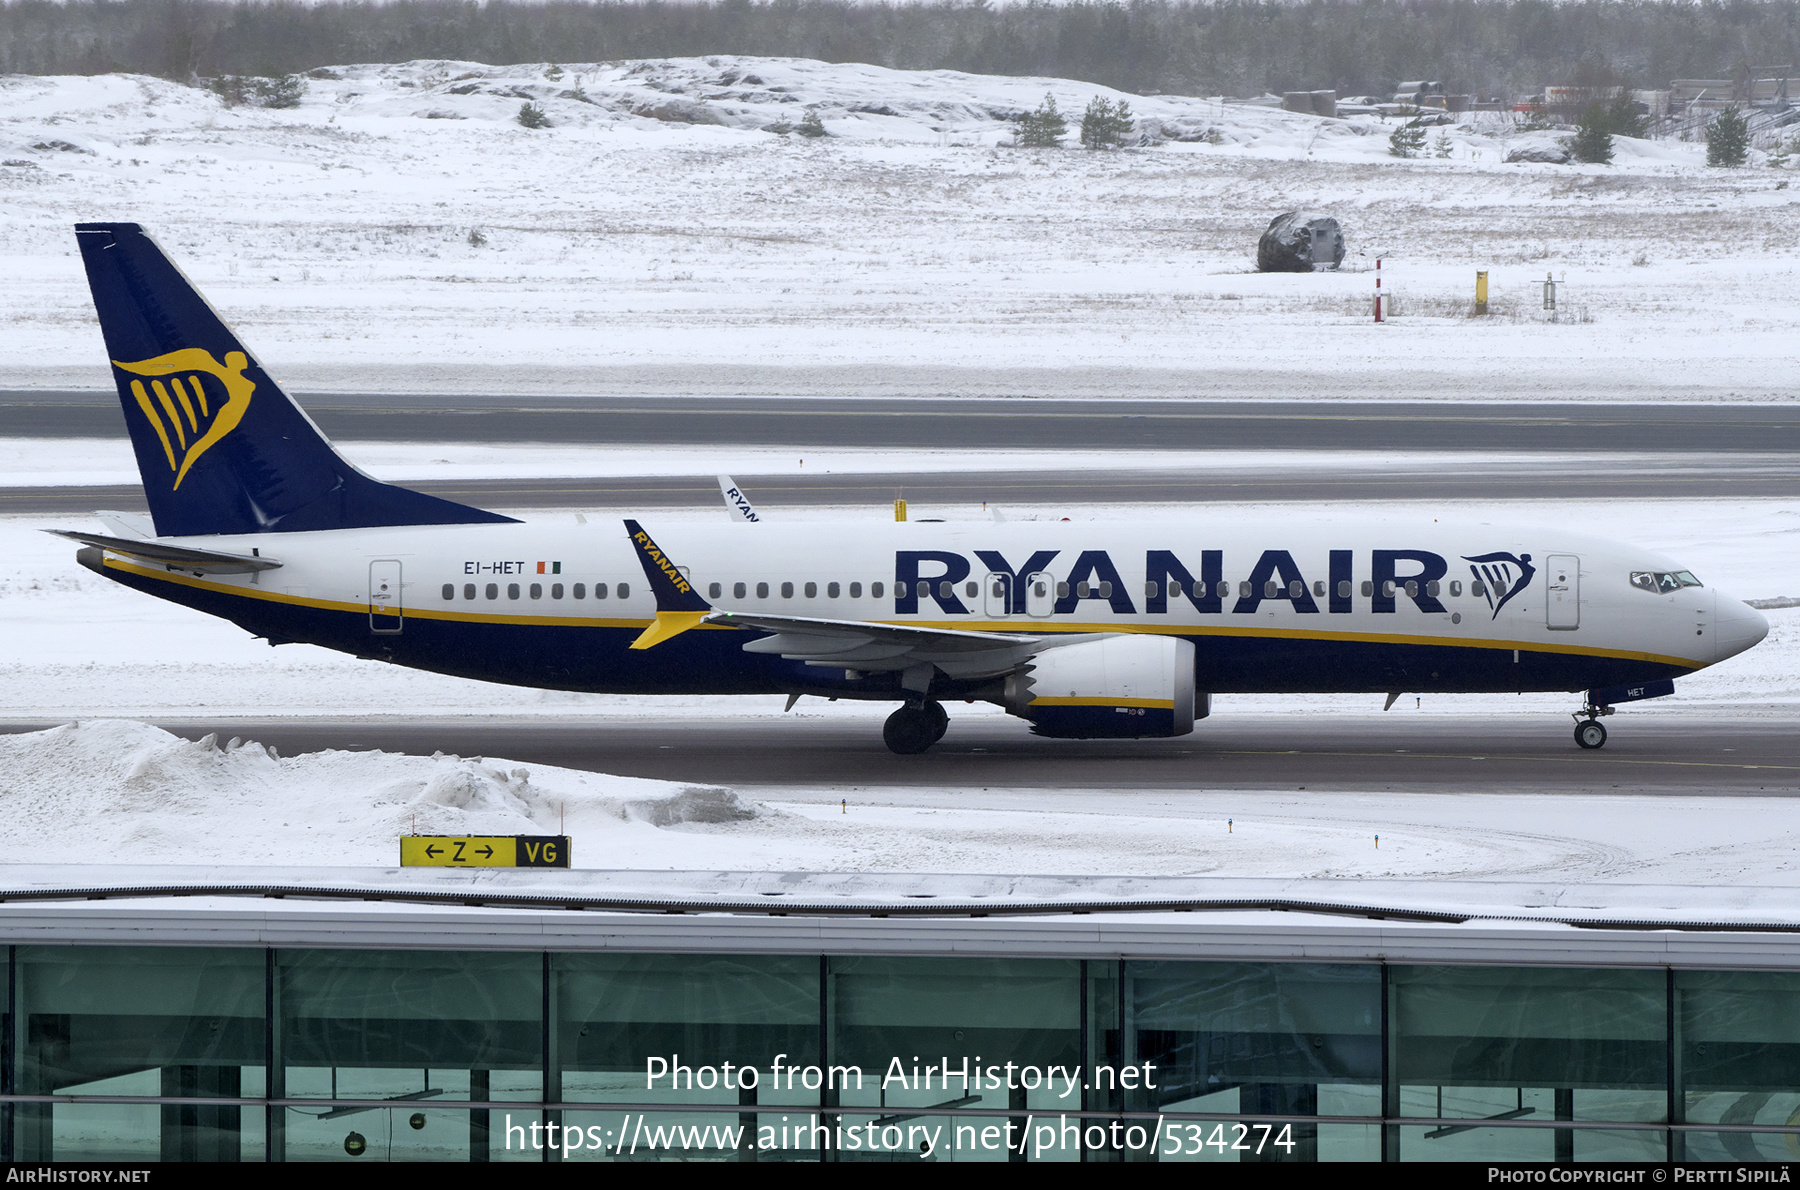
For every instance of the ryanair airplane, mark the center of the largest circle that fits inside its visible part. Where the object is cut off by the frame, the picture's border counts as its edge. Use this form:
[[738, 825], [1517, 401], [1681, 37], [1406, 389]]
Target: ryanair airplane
[[1083, 630]]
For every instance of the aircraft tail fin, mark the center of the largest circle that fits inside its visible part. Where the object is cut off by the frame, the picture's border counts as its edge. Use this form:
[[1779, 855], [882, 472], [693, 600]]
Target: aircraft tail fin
[[220, 448]]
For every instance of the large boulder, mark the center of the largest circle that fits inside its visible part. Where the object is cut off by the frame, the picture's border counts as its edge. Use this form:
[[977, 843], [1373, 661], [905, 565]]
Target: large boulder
[[1300, 242], [1540, 152]]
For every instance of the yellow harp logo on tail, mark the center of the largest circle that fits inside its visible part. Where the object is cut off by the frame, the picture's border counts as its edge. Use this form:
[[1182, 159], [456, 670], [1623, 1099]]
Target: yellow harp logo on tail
[[185, 419]]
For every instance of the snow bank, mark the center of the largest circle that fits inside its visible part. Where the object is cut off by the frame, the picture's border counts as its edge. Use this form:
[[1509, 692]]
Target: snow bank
[[399, 230], [114, 790]]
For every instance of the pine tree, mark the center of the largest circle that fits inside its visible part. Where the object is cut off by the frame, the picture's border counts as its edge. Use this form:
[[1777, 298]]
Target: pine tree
[[1728, 139], [1593, 141], [1105, 124], [1624, 119], [532, 116], [811, 125], [1408, 140], [1044, 128]]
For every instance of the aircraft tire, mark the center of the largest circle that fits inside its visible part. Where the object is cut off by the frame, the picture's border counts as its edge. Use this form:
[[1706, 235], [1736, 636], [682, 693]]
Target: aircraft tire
[[909, 731], [1591, 734], [940, 718]]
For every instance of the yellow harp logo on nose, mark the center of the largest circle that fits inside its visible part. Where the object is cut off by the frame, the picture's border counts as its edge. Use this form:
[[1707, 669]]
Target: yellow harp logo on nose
[[186, 421]]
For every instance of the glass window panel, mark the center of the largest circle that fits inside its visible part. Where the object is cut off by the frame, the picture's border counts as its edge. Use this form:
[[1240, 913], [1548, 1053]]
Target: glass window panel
[[1740, 1146], [92, 1013], [411, 1132], [1739, 1037], [1281, 1034], [1540, 1043], [137, 1132], [692, 1014], [917, 1024], [160, 1021], [1475, 1143], [366, 1024]]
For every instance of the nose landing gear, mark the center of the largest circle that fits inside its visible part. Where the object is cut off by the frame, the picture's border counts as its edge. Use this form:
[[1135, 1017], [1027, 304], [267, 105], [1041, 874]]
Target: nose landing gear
[[912, 729], [1589, 731]]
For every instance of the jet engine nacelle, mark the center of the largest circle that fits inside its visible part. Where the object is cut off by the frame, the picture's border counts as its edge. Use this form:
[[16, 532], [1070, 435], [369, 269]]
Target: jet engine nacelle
[[1117, 687]]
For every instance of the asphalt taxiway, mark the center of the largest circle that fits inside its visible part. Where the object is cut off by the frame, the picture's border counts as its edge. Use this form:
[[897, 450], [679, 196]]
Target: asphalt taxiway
[[1660, 753]]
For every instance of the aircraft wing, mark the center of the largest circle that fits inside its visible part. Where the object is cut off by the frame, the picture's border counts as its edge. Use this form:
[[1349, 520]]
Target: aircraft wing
[[855, 644], [175, 557]]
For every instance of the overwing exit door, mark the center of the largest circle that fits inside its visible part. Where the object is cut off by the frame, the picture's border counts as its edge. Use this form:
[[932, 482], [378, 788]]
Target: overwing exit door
[[1563, 593], [998, 599], [385, 612]]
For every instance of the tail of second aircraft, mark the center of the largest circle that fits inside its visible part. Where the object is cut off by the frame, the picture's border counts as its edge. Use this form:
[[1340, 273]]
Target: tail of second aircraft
[[220, 447]]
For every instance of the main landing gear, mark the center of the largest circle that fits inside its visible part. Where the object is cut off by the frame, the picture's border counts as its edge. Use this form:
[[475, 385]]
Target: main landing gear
[[1589, 731], [912, 729]]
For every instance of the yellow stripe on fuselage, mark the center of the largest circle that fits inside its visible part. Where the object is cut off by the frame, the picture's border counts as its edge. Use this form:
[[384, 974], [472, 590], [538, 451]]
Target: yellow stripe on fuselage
[[1149, 704], [1036, 628]]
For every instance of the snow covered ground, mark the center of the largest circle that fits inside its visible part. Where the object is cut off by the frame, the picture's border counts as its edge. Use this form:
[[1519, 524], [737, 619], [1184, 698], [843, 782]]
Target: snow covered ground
[[135, 793], [400, 230]]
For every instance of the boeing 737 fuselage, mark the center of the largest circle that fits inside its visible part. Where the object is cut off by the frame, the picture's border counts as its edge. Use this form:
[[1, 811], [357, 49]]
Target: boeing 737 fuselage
[[1083, 629]]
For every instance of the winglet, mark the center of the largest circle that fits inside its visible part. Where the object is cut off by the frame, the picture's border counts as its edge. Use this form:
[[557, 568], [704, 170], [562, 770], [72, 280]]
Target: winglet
[[678, 606], [736, 503]]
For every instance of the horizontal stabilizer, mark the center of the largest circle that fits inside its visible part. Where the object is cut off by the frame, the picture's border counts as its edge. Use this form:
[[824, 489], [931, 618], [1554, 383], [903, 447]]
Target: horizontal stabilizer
[[175, 557]]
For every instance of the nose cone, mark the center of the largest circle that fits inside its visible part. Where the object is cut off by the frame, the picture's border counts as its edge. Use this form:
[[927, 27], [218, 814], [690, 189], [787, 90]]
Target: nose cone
[[1737, 627]]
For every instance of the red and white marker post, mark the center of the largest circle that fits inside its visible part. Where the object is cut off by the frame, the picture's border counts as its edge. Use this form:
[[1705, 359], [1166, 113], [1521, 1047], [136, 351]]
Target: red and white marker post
[[1380, 312]]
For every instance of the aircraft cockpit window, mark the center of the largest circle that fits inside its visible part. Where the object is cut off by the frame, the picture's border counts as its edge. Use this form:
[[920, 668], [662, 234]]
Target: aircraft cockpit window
[[1662, 582]]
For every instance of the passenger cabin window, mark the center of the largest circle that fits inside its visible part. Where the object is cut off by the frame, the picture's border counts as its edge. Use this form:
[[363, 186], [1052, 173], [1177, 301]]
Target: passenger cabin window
[[623, 590], [713, 590], [787, 590], [580, 591], [762, 590], [1344, 588], [737, 590], [831, 590], [812, 590], [875, 590], [599, 590], [1319, 588], [556, 591], [512, 590], [449, 590], [1478, 588], [856, 591], [493, 590], [468, 590], [1455, 588], [537, 590]]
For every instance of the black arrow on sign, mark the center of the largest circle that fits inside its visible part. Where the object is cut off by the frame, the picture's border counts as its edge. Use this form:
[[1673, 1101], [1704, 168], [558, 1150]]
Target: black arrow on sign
[[434, 851], [486, 852]]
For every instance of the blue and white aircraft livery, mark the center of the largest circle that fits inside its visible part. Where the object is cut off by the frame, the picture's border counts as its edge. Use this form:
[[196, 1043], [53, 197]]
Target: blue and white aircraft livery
[[1084, 630]]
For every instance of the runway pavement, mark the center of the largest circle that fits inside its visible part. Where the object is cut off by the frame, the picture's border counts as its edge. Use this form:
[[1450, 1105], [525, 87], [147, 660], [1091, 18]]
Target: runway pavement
[[1659, 753], [986, 423]]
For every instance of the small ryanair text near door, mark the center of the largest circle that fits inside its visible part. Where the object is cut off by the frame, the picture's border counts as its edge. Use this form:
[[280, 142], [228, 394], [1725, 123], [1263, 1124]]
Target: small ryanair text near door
[[384, 598], [1563, 596]]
